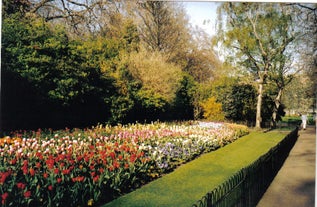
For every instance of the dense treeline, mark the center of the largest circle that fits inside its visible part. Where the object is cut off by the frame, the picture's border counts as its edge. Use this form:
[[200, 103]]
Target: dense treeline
[[71, 64], [55, 77]]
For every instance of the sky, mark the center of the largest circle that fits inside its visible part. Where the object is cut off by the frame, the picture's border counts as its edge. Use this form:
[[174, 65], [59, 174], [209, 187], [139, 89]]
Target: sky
[[202, 12]]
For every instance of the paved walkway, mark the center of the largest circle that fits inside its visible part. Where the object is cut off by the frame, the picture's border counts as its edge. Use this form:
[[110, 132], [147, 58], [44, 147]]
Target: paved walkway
[[294, 185]]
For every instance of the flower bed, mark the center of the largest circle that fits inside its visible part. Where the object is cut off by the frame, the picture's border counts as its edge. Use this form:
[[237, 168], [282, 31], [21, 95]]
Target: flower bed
[[87, 167]]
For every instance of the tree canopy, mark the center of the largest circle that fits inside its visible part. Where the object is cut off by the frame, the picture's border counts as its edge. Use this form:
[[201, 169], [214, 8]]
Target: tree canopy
[[258, 36], [78, 63]]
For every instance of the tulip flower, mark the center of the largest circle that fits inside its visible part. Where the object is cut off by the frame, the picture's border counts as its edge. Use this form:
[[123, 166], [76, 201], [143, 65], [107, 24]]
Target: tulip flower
[[88, 164]]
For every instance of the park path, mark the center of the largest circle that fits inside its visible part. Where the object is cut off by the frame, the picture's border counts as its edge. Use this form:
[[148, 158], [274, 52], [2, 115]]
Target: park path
[[294, 185]]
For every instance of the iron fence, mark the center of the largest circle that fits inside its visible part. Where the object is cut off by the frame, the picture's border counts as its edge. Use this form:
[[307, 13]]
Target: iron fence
[[247, 186]]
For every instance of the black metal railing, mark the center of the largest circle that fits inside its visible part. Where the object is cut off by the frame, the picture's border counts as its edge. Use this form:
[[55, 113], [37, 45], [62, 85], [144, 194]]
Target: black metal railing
[[247, 186]]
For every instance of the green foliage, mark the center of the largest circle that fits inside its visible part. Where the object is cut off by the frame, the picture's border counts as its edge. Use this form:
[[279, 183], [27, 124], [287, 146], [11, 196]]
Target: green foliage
[[259, 37], [57, 77], [295, 95], [57, 69], [47, 59], [151, 101], [240, 103], [238, 100], [123, 101], [120, 108], [184, 101], [200, 93], [221, 89], [258, 33]]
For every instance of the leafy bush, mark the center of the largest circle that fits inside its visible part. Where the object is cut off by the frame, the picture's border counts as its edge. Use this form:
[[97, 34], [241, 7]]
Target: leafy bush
[[212, 110]]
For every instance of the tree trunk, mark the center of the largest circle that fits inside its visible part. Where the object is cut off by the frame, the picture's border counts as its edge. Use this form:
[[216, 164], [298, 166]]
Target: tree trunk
[[277, 103], [259, 106]]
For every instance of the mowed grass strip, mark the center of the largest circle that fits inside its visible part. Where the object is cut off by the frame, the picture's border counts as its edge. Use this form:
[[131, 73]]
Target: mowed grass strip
[[191, 181]]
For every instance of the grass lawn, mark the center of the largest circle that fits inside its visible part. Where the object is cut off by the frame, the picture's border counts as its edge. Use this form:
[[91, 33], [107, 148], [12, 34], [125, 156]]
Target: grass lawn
[[191, 181]]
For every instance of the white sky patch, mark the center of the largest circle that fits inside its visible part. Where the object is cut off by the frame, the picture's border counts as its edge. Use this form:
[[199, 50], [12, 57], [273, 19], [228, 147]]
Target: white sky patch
[[203, 15]]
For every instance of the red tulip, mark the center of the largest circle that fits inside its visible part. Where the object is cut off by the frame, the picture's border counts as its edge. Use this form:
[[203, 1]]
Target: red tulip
[[112, 155], [21, 185], [116, 164], [24, 169], [133, 158], [32, 172], [66, 171], [78, 179], [92, 167], [120, 157], [13, 161], [96, 178], [101, 170], [45, 175], [86, 158], [50, 163], [25, 162], [4, 197], [38, 165], [39, 155], [3, 176], [56, 171], [50, 187], [27, 194], [110, 168]]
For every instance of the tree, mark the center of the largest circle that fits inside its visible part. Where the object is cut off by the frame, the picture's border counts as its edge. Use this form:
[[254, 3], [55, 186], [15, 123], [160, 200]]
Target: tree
[[80, 18], [297, 97], [10, 7], [258, 35], [124, 101], [201, 60], [84, 62], [159, 81], [203, 64], [163, 28], [241, 103], [307, 23], [281, 74], [183, 106], [66, 87]]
